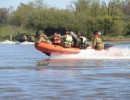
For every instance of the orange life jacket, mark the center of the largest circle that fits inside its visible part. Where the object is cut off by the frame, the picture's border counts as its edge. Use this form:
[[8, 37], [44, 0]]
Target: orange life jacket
[[96, 36], [57, 40]]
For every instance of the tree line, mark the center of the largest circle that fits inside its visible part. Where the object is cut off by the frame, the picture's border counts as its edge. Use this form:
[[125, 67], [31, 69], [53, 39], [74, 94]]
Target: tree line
[[112, 18]]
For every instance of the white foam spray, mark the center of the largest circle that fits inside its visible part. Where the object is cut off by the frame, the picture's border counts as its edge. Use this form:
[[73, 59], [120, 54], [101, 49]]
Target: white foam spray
[[8, 42], [27, 43], [12, 42], [111, 53]]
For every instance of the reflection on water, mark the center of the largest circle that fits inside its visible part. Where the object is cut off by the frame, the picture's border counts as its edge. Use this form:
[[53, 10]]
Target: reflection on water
[[27, 74]]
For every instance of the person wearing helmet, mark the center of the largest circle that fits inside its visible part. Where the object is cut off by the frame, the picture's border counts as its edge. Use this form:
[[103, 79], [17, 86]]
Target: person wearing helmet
[[97, 42]]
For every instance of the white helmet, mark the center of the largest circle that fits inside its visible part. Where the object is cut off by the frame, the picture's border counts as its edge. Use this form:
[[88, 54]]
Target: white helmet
[[99, 33]]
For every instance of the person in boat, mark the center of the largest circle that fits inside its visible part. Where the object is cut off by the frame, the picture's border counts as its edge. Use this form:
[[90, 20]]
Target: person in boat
[[83, 42], [42, 38], [75, 39], [67, 40], [31, 38], [56, 40], [23, 38], [97, 42]]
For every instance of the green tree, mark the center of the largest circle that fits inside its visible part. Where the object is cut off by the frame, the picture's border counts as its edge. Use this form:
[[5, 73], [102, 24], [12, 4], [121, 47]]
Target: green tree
[[4, 15]]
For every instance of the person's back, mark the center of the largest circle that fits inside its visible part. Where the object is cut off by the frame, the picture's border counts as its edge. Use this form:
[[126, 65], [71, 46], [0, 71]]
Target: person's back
[[75, 39], [67, 40], [97, 42], [83, 42]]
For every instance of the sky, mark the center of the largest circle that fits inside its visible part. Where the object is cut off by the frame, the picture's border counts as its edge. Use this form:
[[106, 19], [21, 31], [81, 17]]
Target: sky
[[61, 4]]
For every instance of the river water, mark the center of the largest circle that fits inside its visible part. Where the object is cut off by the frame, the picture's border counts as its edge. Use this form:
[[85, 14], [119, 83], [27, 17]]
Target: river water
[[27, 74]]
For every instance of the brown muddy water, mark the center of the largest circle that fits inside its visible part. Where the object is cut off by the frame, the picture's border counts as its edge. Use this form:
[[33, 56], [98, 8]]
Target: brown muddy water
[[27, 74]]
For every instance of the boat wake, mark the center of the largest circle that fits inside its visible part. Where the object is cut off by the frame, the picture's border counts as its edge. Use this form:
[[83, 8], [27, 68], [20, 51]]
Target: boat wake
[[8, 42], [111, 53], [12, 42], [26, 43]]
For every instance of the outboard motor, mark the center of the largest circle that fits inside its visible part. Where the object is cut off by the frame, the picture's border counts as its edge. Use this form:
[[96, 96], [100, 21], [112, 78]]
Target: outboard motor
[[107, 46]]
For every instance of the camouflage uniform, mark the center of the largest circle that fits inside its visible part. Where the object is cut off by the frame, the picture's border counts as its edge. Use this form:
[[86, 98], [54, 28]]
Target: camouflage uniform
[[98, 44], [67, 41], [42, 38]]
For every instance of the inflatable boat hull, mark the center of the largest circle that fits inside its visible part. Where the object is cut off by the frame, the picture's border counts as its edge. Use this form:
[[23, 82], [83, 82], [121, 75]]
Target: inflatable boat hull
[[49, 49]]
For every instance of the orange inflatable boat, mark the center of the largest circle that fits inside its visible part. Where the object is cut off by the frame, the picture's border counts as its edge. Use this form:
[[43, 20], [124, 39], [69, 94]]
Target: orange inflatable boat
[[49, 49]]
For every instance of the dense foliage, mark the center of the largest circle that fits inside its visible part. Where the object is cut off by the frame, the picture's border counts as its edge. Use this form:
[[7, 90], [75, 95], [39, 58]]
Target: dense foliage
[[112, 19]]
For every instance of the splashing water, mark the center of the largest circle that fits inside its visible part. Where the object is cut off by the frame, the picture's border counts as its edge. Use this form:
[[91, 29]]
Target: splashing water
[[111, 53], [11, 42], [8, 42], [26, 43]]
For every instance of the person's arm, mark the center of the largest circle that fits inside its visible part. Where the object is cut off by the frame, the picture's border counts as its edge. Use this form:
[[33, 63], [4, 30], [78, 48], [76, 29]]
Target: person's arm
[[41, 40], [63, 37], [51, 37], [46, 37], [94, 44]]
